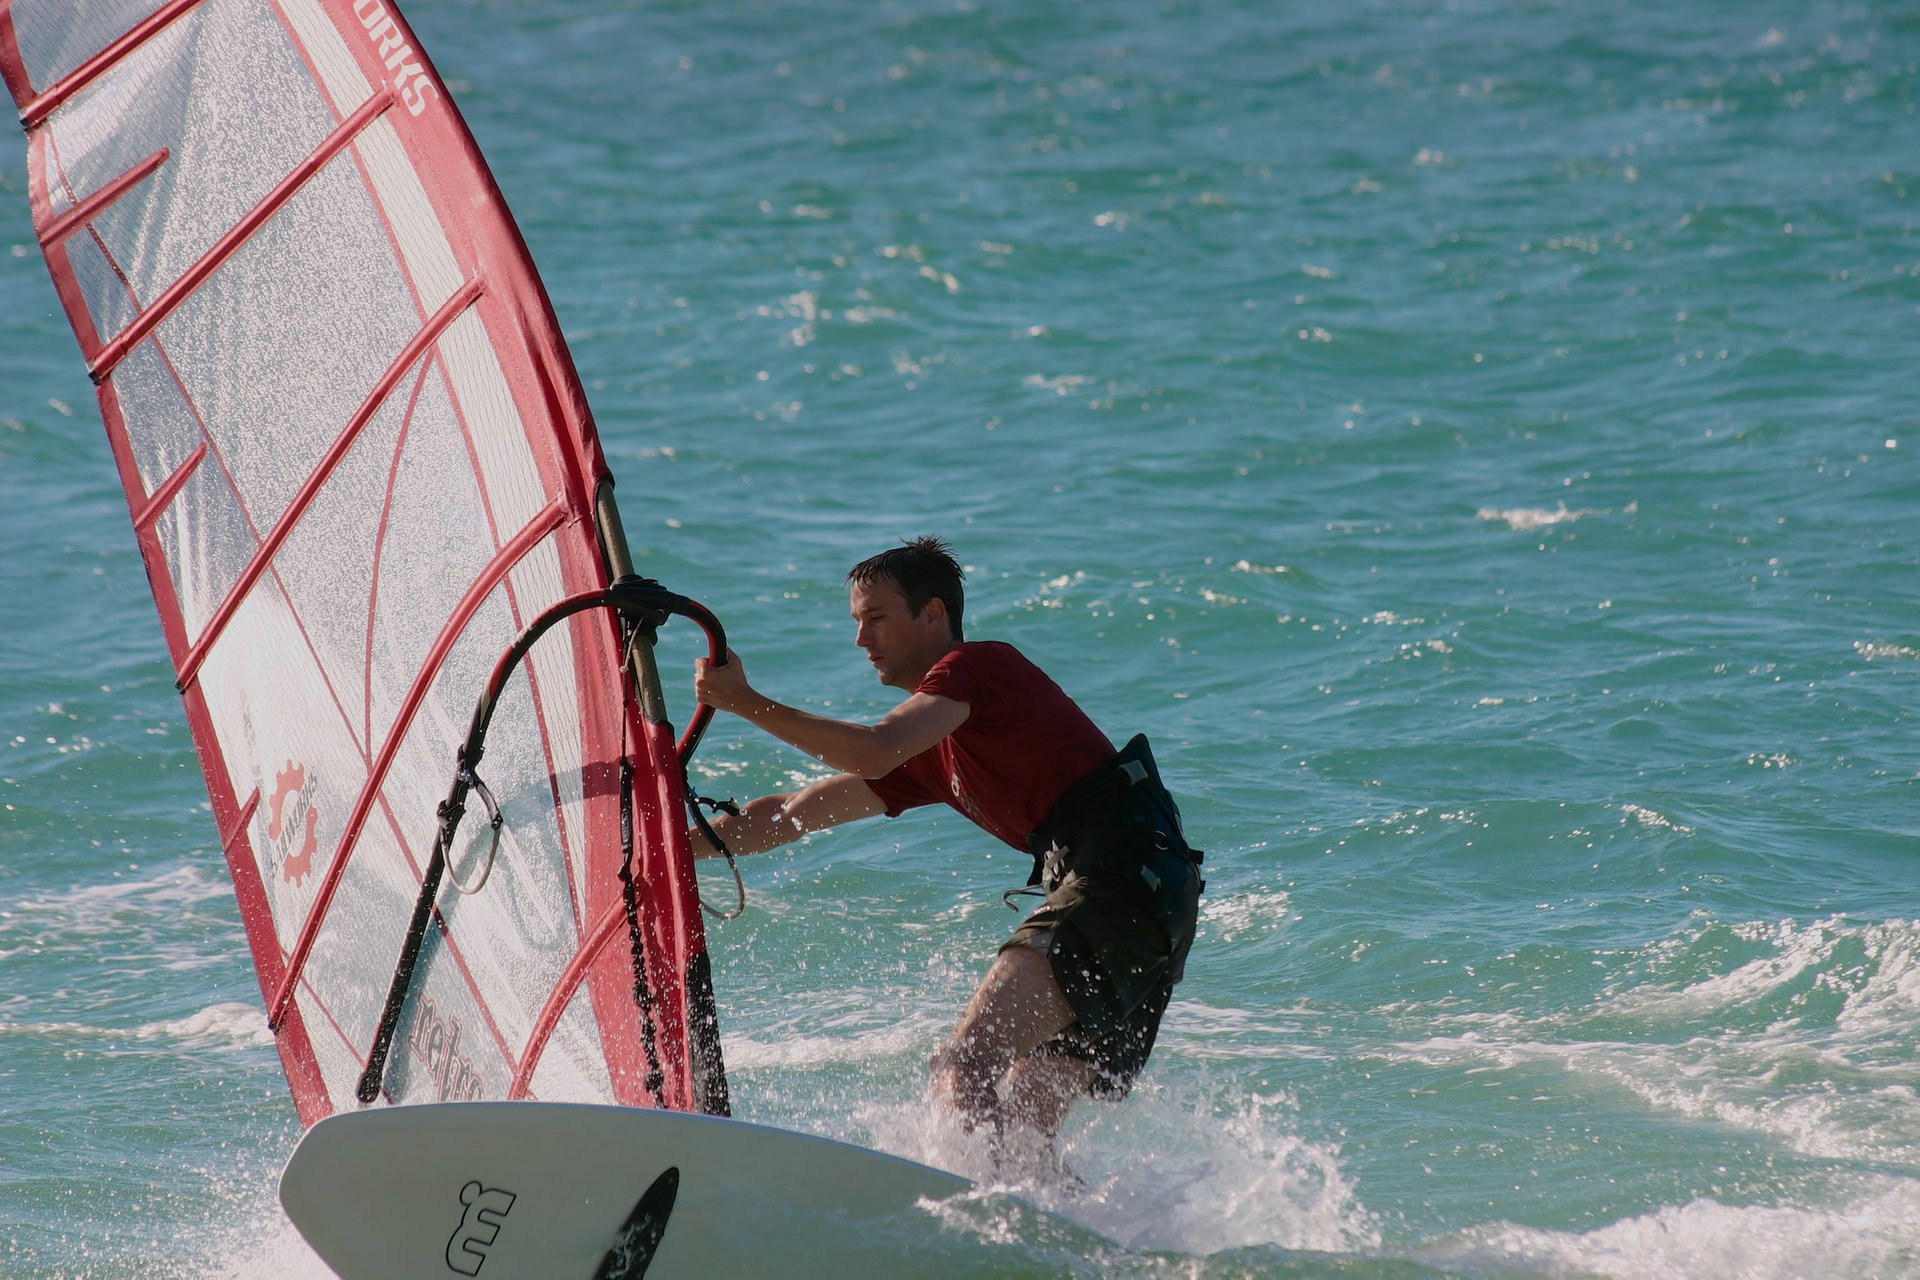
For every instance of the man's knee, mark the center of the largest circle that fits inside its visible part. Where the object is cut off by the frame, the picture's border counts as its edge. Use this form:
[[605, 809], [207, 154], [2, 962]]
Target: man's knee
[[1047, 1081], [973, 1050]]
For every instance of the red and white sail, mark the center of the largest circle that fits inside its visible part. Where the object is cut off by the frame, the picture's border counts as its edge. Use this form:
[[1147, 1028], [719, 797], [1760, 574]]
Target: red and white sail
[[359, 461]]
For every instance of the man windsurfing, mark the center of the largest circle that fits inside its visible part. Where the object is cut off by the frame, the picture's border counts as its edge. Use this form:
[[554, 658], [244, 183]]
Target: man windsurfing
[[1073, 1000]]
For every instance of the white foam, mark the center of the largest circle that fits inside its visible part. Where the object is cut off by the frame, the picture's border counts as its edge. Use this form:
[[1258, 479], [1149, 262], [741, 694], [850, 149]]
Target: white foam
[[1234, 916], [1888, 1004], [1724, 1080], [255, 1239], [1170, 1169], [916, 1034], [1796, 949], [1177, 1175], [1525, 519], [1652, 820], [1876, 1234], [1735, 1085], [1198, 1032], [104, 908], [1826, 1086], [1060, 384], [1521, 519], [220, 1026], [1886, 999]]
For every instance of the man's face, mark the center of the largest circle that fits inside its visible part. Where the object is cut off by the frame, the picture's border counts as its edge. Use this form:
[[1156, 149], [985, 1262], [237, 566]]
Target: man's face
[[900, 646]]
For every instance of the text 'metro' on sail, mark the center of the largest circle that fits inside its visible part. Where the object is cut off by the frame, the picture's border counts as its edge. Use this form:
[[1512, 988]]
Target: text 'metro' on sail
[[359, 464]]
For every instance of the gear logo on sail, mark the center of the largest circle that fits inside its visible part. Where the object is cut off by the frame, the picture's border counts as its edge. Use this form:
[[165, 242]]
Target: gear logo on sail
[[293, 823]]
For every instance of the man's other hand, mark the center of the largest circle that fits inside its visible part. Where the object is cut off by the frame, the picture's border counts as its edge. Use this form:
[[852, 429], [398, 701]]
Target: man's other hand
[[724, 688]]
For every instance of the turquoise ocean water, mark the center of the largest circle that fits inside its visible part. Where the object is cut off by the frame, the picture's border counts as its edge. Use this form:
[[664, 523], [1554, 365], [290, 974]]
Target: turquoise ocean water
[[1476, 440]]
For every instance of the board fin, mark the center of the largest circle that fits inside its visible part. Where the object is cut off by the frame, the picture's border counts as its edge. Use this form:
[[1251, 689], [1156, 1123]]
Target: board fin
[[640, 1236]]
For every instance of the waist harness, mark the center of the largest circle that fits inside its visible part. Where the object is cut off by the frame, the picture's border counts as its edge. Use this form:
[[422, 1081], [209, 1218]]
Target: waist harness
[[1120, 822]]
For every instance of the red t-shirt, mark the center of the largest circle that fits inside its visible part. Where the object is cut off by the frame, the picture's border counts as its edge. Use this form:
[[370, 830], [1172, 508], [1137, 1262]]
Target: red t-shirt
[[1023, 744]]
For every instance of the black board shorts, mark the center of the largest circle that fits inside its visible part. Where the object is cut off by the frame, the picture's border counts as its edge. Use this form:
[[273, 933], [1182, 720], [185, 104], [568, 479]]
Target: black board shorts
[[1116, 965], [1123, 897]]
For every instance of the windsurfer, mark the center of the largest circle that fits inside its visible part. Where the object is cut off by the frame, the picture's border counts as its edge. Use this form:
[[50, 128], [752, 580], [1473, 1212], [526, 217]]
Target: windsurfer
[[1073, 1001]]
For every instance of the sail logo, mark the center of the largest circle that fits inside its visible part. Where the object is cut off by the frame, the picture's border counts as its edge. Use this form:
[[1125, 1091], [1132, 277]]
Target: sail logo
[[410, 78], [435, 1041], [479, 1229], [293, 823]]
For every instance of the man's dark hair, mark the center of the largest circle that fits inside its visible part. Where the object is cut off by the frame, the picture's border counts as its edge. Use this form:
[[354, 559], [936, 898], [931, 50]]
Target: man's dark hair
[[924, 569]]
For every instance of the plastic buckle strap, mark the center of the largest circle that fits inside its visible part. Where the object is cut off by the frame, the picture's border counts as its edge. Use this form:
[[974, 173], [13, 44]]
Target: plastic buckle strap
[[1056, 864], [494, 820]]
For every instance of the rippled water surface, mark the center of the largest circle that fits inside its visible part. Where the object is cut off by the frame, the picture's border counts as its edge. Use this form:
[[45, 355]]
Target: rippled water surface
[[1475, 440]]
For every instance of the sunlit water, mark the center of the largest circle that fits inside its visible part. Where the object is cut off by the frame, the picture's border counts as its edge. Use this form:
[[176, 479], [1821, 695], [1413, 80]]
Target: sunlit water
[[1474, 440]]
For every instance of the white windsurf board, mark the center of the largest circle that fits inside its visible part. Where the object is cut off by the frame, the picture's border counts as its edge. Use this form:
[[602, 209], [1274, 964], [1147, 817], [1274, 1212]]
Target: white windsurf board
[[557, 1191]]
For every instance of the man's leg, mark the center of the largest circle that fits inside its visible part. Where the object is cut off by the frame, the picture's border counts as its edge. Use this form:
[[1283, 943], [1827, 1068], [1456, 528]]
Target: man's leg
[[1040, 1091], [1018, 1008]]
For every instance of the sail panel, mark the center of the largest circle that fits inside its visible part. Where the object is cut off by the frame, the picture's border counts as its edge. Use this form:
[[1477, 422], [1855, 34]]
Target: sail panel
[[359, 463], [573, 1046], [184, 90], [425, 253], [55, 39]]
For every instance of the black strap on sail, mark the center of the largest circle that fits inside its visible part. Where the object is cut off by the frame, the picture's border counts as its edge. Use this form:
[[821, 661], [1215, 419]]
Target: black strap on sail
[[642, 604]]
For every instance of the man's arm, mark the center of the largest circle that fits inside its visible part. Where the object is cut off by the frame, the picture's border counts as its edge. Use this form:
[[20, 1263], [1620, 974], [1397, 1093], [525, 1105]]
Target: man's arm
[[771, 821], [864, 750]]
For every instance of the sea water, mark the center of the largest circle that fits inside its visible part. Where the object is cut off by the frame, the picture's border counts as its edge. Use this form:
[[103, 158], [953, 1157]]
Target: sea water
[[1475, 440]]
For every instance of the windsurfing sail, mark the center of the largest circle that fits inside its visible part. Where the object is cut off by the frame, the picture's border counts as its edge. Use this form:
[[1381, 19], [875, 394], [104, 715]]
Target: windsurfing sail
[[359, 463]]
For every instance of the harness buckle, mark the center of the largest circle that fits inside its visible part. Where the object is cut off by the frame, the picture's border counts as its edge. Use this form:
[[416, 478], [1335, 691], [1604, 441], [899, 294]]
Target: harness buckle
[[1054, 865]]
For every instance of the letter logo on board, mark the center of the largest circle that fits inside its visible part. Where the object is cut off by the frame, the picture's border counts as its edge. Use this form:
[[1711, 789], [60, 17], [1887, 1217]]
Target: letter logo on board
[[487, 1209]]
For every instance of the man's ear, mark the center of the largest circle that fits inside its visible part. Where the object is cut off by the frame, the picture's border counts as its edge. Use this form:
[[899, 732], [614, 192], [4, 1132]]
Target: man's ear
[[936, 611]]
